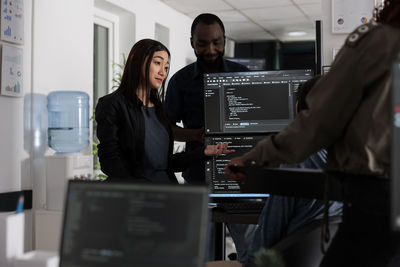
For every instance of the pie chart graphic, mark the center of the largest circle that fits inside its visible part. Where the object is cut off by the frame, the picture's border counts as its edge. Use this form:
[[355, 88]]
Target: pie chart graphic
[[364, 20]]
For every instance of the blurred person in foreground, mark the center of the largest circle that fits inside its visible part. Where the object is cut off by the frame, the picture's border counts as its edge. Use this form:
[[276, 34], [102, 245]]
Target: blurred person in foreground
[[283, 215], [349, 115]]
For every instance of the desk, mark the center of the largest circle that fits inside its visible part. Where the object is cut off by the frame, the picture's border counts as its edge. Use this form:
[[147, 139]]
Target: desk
[[220, 218], [223, 264], [307, 183]]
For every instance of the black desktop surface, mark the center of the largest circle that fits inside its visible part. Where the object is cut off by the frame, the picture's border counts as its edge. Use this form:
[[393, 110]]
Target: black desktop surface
[[307, 183]]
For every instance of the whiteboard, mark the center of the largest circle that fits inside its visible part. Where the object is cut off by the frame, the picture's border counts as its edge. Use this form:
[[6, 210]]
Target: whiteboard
[[349, 14]]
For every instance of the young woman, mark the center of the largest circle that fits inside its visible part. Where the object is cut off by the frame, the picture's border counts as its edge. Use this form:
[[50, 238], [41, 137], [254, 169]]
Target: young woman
[[135, 137]]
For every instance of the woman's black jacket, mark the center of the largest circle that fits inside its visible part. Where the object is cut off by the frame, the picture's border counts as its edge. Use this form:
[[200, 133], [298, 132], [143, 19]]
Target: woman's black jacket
[[121, 131]]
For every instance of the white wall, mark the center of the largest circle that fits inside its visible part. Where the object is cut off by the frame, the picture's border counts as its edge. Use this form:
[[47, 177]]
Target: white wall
[[62, 56], [150, 12], [332, 41]]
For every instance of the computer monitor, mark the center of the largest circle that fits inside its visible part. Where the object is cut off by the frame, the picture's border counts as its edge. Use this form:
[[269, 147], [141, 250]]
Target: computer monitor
[[395, 157], [131, 224], [250, 102], [222, 186], [250, 63]]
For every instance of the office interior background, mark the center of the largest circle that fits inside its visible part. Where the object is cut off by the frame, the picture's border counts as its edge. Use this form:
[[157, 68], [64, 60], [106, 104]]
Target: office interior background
[[63, 39]]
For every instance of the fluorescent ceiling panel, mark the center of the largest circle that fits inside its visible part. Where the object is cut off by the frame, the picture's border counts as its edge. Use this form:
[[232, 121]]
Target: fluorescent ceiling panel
[[252, 36], [313, 11], [288, 12], [300, 2], [248, 4], [225, 16], [192, 6]]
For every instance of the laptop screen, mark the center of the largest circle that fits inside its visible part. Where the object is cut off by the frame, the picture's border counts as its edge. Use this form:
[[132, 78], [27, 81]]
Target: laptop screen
[[121, 224], [221, 185], [250, 102]]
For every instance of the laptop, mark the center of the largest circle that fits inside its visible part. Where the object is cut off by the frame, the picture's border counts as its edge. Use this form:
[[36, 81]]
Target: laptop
[[242, 108], [132, 224]]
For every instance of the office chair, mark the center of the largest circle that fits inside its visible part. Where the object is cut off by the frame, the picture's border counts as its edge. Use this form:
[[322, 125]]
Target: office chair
[[302, 248]]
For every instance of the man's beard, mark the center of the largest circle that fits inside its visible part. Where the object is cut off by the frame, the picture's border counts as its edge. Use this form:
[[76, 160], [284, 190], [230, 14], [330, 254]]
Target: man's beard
[[208, 64]]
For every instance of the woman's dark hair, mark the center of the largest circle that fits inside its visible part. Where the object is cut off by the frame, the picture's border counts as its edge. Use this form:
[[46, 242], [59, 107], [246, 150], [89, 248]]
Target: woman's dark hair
[[141, 56], [207, 19], [388, 13], [302, 92]]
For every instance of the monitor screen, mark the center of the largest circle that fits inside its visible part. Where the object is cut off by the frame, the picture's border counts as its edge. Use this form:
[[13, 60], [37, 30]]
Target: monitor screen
[[250, 63], [221, 185], [251, 102], [129, 224], [395, 157]]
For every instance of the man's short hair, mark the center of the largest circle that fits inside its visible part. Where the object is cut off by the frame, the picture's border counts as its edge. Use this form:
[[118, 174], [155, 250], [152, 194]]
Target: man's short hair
[[207, 19]]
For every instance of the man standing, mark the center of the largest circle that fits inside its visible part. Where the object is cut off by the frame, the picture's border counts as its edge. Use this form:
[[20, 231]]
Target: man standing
[[184, 101], [184, 98]]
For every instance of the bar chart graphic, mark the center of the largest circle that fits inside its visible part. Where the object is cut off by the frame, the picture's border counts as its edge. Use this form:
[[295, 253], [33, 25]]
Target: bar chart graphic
[[11, 70]]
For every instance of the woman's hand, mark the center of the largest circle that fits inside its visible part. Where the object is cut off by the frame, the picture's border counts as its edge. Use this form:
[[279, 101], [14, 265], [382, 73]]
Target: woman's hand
[[216, 150], [236, 162]]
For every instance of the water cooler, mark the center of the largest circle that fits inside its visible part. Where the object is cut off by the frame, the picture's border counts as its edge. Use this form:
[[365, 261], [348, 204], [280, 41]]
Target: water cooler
[[68, 134], [59, 169]]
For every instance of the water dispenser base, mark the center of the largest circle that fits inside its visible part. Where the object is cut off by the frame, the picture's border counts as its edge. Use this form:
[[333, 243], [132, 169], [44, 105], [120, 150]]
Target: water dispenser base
[[60, 168]]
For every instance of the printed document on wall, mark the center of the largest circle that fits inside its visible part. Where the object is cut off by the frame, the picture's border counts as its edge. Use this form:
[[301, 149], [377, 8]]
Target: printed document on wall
[[11, 70], [12, 21], [348, 15]]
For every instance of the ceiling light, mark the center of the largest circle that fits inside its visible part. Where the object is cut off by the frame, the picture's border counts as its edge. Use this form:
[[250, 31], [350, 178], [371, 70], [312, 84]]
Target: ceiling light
[[297, 33]]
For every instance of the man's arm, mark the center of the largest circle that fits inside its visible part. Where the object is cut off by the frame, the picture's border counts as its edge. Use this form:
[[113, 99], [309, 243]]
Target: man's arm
[[174, 101], [186, 135], [332, 103], [174, 104]]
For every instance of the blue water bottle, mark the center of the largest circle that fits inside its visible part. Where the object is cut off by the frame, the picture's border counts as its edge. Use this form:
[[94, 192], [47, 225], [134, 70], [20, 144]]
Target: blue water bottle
[[68, 129]]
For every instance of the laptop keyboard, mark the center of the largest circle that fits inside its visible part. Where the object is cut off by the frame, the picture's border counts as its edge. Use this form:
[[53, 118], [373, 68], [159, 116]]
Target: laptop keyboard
[[242, 207]]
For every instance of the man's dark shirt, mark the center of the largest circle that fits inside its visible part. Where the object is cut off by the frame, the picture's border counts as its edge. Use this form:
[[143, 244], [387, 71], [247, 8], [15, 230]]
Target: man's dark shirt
[[185, 102]]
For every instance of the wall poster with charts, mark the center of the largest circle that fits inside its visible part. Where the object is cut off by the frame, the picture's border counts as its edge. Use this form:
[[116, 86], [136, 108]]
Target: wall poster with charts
[[12, 21], [349, 14], [11, 70]]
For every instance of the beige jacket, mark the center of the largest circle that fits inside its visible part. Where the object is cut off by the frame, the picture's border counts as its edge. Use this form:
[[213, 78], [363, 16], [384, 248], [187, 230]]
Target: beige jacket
[[349, 110]]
